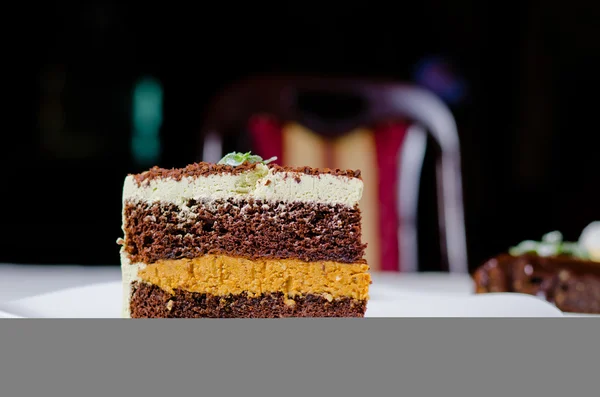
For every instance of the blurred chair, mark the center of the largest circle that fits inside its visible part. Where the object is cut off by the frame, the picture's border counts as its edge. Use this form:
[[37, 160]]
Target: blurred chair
[[378, 127]]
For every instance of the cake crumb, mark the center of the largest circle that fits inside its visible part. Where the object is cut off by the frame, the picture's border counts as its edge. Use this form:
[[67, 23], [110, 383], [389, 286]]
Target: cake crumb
[[290, 302]]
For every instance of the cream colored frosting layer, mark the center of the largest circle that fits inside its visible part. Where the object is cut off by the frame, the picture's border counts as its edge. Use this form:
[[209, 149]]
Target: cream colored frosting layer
[[129, 274], [260, 183]]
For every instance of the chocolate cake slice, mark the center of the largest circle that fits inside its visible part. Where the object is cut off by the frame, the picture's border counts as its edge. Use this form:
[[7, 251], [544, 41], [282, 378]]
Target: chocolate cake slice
[[243, 238], [558, 272]]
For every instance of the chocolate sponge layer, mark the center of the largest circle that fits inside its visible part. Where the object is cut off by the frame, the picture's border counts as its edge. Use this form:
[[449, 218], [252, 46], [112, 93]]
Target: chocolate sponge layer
[[247, 228]]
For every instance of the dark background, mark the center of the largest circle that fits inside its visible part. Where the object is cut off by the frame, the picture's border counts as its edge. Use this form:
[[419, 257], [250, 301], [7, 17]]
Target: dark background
[[528, 121]]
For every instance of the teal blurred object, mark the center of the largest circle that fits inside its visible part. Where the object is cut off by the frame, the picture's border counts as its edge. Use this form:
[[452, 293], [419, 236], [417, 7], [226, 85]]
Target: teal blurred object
[[147, 120]]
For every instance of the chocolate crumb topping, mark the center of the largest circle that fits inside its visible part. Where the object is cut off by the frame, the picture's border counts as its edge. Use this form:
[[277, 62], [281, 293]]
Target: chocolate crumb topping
[[204, 169]]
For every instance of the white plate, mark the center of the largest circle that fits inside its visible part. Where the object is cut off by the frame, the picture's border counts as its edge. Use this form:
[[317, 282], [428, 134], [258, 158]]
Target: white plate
[[104, 301]]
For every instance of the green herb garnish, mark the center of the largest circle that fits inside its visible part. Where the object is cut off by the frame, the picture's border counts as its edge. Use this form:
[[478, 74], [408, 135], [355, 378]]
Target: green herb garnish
[[234, 159], [552, 244]]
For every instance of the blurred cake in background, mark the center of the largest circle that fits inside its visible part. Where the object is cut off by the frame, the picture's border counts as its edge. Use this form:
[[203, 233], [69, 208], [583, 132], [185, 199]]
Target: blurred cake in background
[[566, 274]]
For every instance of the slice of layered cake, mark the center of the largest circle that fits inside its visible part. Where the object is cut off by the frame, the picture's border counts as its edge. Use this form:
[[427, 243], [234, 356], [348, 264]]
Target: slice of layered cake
[[566, 274], [243, 238]]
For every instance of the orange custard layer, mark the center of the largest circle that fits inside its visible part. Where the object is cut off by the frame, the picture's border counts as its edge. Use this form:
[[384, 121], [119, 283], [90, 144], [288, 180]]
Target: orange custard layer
[[224, 275]]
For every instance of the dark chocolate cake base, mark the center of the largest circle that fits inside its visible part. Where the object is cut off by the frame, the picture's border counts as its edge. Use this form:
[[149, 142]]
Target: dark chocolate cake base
[[150, 301]]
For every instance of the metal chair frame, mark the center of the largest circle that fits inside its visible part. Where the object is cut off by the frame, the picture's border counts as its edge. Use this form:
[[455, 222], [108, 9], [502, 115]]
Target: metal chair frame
[[278, 96]]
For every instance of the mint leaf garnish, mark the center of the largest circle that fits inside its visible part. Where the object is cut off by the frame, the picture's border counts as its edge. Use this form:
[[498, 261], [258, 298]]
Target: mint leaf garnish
[[554, 237], [552, 244], [235, 158]]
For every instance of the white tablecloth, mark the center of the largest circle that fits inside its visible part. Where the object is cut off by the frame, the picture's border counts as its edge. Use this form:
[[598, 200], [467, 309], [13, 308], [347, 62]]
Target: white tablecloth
[[22, 281]]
